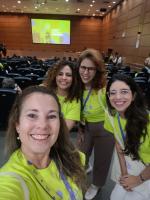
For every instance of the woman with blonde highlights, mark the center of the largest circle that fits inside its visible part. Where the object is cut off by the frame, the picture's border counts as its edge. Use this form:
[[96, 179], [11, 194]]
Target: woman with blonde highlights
[[43, 163], [92, 79]]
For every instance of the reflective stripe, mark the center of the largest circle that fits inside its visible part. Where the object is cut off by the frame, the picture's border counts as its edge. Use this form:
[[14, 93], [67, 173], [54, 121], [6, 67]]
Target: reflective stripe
[[21, 181]]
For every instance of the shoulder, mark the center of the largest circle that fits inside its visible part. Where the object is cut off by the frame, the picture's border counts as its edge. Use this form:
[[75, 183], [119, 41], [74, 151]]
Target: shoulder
[[17, 164], [82, 157], [12, 186]]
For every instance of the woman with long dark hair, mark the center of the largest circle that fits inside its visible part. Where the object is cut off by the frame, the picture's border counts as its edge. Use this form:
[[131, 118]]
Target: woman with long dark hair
[[129, 122]]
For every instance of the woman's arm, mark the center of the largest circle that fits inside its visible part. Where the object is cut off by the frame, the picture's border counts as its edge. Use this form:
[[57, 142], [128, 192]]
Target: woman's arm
[[70, 123], [121, 159], [130, 181]]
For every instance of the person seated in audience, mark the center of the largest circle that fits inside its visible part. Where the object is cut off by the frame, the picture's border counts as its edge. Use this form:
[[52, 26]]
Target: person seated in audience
[[129, 121], [147, 61], [9, 83], [43, 162], [1, 66], [115, 58], [147, 64], [62, 79]]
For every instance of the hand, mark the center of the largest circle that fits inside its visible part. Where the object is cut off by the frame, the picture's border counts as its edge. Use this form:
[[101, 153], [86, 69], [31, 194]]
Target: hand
[[80, 139], [129, 181]]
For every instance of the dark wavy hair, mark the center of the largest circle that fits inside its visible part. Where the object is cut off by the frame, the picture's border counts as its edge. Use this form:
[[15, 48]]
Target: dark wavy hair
[[50, 81], [99, 80], [136, 115], [63, 151]]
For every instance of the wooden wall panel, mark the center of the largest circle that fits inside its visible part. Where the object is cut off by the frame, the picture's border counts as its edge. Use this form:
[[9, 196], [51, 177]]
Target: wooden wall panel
[[131, 18], [15, 32]]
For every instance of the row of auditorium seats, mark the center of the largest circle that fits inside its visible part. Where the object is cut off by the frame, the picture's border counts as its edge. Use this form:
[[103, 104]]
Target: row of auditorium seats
[[25, 81], [26, 77]]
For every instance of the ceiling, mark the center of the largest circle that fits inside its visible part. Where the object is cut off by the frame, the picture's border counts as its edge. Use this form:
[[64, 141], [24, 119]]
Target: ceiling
[[62, 7]]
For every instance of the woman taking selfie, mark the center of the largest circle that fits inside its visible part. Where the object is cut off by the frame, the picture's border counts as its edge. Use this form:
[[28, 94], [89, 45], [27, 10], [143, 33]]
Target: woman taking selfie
[[92, 78], [129, 122], [43, 163], [62, 80]]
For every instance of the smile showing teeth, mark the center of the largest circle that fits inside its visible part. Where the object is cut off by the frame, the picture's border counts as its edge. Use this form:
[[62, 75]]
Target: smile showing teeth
[[119, 103], [40, 137]]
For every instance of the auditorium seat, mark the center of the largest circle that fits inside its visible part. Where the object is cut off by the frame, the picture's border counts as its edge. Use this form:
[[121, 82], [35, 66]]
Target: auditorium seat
[[7, 97], [23, 81]]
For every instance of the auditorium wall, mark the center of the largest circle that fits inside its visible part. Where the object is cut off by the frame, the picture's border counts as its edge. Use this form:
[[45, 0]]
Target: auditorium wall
[[127, 30], [15, 32]]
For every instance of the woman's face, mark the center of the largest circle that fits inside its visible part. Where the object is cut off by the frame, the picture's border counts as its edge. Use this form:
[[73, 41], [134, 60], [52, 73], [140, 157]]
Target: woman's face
[[120, 96], [87, 71], [64, 78], [39, 124]]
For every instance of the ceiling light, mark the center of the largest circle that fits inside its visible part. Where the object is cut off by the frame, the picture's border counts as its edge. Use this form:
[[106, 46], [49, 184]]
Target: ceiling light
[[18, 1], [93, 1], [93, 14], [91, 5], [114, 2], [66, 0], [78, 9]]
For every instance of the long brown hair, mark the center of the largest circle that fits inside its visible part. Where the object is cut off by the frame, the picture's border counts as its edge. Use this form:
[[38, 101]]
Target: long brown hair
[[99, 80], [63, 151], [50, 81]]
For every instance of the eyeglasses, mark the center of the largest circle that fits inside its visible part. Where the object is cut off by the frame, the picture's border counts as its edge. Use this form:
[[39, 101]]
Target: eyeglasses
[[122, 92], [89, 69]]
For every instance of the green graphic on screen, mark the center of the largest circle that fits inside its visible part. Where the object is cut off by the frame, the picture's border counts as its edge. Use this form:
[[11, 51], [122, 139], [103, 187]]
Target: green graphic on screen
[[50, 31]]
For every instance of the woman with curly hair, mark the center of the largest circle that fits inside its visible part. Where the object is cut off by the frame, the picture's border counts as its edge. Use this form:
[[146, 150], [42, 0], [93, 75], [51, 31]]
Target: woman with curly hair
[[93, 82], [43, 163], [61, 78], [129, 122]]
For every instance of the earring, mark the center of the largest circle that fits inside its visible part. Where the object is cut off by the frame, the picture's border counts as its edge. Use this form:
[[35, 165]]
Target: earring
[[18, 138]]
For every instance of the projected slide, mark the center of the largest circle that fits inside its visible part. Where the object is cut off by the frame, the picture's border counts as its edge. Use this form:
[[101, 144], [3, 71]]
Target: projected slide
[[50, 31]]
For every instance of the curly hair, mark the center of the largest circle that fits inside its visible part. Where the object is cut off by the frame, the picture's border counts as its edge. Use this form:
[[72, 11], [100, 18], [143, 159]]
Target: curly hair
[[50, 81], [99, 80], [136, 115], [63, 151]]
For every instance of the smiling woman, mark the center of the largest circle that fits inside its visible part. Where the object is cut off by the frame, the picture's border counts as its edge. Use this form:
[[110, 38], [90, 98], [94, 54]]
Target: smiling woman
[[92, 79], [63, 81], [130, 124], [40, 151]]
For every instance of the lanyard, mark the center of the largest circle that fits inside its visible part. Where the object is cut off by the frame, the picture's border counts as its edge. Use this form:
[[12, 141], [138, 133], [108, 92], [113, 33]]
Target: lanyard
[[67, 185], [44, 185], [121, 129], [83, 104]]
